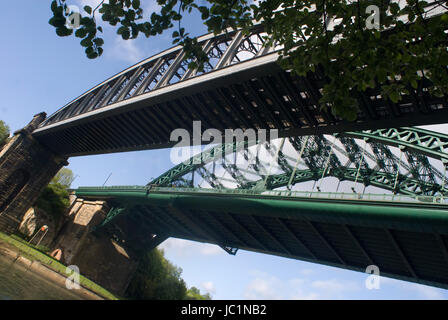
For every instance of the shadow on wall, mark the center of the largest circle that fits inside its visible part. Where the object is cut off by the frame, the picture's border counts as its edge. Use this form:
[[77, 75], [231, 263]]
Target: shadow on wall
[[18, 179]]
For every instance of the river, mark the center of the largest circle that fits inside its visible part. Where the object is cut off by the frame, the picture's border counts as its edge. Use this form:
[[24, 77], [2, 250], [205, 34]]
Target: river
[[17, 283]]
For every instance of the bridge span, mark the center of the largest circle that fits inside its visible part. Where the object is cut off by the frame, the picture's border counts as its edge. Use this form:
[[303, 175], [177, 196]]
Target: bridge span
[[239, 197], [405, 236], [242, 87]]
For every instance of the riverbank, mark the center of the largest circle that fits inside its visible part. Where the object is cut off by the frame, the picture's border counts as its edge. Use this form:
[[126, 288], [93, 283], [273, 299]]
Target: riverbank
[[18, 252]]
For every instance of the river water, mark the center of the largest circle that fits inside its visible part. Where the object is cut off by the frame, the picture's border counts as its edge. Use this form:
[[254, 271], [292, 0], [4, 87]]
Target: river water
[[17, 283]]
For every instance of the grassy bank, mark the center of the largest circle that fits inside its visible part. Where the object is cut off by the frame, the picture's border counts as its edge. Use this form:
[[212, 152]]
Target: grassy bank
[[30, 252]]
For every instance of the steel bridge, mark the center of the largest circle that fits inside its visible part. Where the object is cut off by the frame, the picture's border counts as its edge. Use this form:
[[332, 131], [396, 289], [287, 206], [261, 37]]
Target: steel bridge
[[329, 191], [241, 87], [347, 200]]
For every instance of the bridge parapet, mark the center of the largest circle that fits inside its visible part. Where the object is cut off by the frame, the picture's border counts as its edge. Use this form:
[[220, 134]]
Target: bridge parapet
[[117, 191], [164, 69]]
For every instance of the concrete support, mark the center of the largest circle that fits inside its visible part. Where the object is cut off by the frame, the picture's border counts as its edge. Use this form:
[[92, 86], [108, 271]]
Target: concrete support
[[26, 167]]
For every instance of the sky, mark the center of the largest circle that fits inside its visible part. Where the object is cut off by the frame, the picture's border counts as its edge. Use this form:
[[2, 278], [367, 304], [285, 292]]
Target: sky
[[42, 72]]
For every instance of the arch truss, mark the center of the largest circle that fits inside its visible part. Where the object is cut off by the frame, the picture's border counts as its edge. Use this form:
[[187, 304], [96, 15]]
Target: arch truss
[[407, 160]]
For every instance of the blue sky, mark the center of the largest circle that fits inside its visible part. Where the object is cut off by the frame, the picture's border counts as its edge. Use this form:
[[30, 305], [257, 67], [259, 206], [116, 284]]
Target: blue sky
[[42, 72]]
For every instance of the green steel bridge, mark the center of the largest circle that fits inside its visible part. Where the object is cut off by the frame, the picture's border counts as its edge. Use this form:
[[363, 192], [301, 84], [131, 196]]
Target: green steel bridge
[[348, 200]]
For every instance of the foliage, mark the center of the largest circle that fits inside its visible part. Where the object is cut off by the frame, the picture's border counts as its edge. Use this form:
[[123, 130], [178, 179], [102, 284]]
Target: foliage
[[330, 37], [194, 294], [156, 279], [63, 177], [4, 133], [54, 199]]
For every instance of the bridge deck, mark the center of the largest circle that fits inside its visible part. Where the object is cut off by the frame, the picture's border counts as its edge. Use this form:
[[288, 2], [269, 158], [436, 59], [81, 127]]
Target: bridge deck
[[406, 238], [243, 87]]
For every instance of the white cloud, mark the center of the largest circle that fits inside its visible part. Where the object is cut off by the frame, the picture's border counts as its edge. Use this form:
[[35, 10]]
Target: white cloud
[[306, 272], [333, 288], [126, 50], [210, 250], [305, 296], [429, 292], [269, 287], [209, 287], [263, 289], [299, 290], [422, 291]]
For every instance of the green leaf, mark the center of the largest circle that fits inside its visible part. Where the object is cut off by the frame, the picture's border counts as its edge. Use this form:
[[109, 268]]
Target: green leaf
[[54, 6], [86, 42], [126, 34], [63, 31], [81, 33], [88, 9], [98, 41], [394, 96], [135, 4], [121, 30], [382, 75], [57, 22], [92, 55]]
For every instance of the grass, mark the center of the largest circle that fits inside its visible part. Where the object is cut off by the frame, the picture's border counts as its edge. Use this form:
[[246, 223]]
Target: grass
[[33, 253]]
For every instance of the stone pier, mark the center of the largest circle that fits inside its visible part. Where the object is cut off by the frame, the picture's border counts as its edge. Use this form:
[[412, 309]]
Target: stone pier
[[26, 167], [97, 256]]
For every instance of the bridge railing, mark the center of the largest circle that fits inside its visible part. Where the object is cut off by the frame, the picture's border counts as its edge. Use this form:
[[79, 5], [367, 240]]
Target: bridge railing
[[167, 68], [279, 193]]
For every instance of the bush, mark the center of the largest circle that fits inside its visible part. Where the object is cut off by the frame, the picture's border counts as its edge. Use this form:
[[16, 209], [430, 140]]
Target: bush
[[194, 294], [54, 200], [156, 279], [4, 133]]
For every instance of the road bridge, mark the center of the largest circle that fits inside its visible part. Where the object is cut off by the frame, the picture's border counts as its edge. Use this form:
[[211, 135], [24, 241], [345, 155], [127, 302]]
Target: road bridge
[[239, 197]]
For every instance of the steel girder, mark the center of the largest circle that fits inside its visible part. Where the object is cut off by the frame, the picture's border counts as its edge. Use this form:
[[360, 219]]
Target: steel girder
[[165, 69], [416, 143], [383, 180], [199, 160], [242, 87], [430, 143]]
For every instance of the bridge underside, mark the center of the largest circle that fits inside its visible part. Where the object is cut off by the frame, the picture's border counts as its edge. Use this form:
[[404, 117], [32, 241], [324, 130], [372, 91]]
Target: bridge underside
[[241, 87], [263, 97], [406, 241]]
